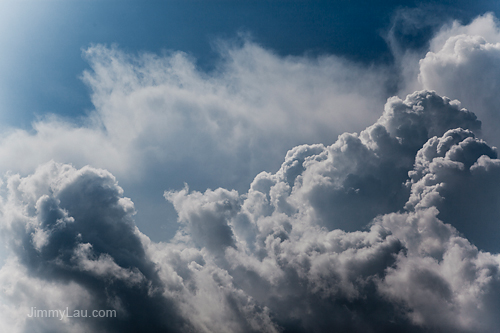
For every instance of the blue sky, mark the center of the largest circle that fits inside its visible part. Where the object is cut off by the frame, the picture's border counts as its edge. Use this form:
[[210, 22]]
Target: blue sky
[[42, 40], [250, 166]]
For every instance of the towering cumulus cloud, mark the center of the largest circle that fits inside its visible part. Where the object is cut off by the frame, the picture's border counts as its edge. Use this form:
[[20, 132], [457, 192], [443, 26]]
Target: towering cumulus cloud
[[378, 232], [464, 63]]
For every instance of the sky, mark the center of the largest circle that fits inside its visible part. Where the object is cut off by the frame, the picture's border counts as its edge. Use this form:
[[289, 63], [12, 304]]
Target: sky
[[249, 166]]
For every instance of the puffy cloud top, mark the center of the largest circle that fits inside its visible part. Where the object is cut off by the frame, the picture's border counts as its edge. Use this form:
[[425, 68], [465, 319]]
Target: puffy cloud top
[[464, 63]]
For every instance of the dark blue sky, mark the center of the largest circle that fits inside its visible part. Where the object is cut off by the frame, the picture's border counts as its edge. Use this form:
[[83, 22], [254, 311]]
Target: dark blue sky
[[40, 57]]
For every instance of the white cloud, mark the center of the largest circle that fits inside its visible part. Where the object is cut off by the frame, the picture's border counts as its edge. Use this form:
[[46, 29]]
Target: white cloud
[[154, 111], [159, 121], [464, 63]]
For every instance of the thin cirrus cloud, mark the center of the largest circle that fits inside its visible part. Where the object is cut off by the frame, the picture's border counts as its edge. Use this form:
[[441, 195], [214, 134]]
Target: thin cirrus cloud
[[389, 229]]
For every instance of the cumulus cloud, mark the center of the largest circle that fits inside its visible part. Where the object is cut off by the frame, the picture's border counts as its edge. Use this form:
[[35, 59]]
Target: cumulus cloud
[[73, 229], [464, 63], [69, 226], [408, 270], [457, 174], [358, 235], [355, 275]]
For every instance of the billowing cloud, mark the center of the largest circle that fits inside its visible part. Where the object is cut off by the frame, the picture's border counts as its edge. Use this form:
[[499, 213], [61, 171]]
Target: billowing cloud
[[464, 63], [162, 116], [358, 235], [74, 227], [358, 276]]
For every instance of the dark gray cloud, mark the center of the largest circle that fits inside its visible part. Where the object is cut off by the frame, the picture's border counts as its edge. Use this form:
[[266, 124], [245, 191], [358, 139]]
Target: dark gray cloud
[[74, 226]]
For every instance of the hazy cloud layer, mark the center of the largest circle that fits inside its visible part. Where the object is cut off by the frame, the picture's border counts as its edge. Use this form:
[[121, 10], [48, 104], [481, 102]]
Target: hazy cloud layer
[[159, 121], [161, 114]]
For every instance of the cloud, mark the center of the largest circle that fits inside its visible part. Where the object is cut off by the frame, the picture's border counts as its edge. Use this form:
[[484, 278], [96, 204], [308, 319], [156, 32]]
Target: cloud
[[457, 174], [405, 271], [157, 113], [361, 176], [74, 227], [290, 254], [392, 228], [464, 63], [159, 121]]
